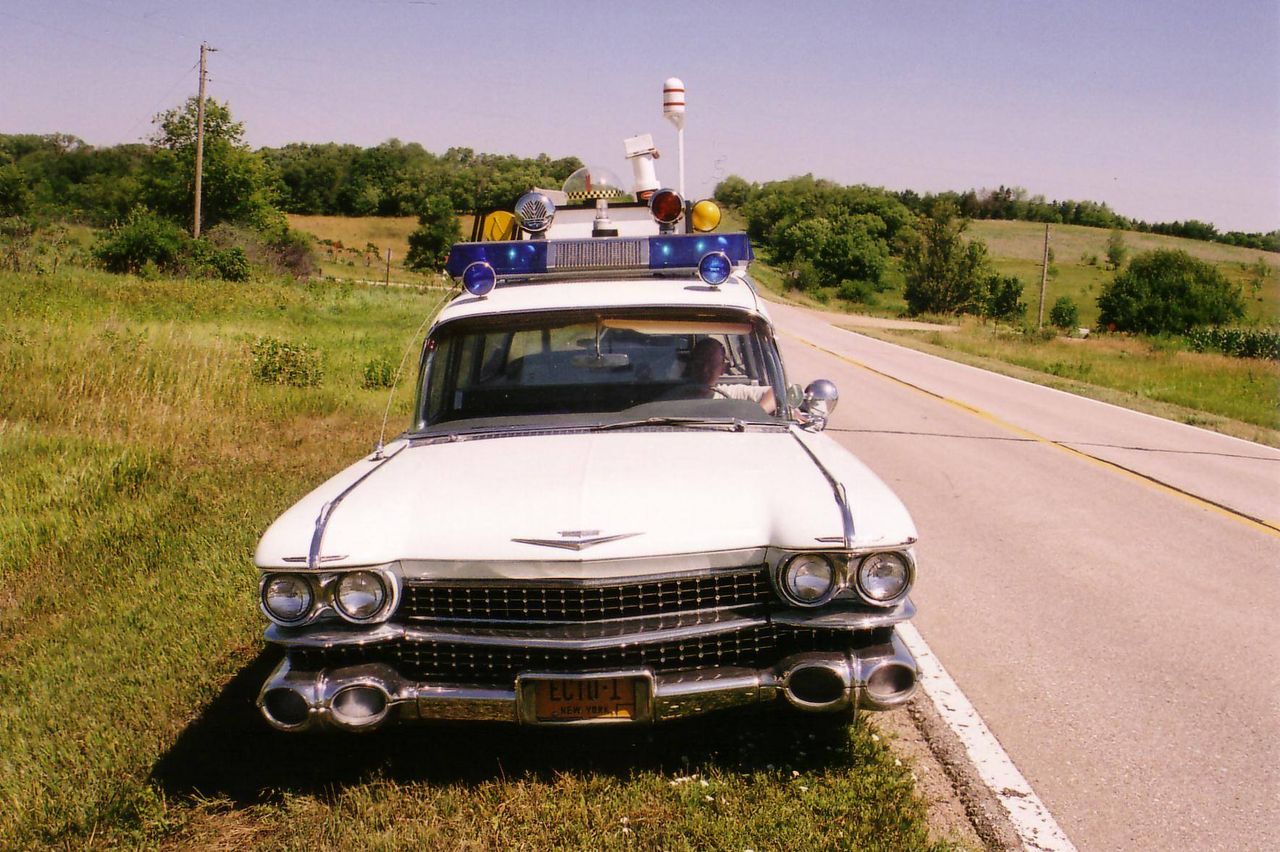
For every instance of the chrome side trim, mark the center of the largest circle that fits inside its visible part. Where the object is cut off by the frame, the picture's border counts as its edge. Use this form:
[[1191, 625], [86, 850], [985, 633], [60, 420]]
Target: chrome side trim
[[837, 488], [326, 511], [852, 618]]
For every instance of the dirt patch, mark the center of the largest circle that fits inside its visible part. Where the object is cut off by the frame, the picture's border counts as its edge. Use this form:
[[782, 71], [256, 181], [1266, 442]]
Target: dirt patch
[[961, 807], [948, 816]]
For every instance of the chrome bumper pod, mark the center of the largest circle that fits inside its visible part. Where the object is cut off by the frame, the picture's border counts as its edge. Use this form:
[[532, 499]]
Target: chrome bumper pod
[[364, 697]]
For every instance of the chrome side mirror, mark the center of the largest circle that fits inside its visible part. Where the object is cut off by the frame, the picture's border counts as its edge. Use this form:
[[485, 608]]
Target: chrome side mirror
[[820, 400]]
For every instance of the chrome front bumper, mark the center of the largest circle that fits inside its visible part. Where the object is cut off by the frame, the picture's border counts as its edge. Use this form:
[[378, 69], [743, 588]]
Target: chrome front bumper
[[366, 696]]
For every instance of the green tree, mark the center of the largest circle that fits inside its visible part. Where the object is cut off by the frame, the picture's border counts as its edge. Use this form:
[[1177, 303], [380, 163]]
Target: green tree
[[1064, 313], [438, 229], [1260, 272], [1168, 291], [239, 186], [1116, 250], [733, 191], [945, 274], [15, 196], [1002, 298]]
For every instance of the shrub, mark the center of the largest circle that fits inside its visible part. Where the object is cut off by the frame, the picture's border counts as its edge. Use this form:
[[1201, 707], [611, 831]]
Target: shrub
[[1168, 291], [378, 373], [143, 237], [857, 291], [232, 264], [275, 362], [203, 259], [278, 250], [1064, 313], [1237, 342], [1002, 298], [804, 276]]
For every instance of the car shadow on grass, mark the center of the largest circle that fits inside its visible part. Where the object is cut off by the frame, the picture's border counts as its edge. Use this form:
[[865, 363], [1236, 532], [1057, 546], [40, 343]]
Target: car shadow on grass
[[230, 753]]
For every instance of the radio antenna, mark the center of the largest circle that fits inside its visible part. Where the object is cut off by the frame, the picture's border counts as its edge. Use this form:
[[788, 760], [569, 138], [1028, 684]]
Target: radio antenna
[[395, 381]]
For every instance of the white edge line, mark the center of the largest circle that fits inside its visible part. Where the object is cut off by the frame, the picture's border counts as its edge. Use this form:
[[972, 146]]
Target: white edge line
[[1036, 827], [1111, 405]]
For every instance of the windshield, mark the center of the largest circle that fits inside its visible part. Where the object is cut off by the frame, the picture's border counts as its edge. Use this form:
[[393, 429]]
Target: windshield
[[600, 369]]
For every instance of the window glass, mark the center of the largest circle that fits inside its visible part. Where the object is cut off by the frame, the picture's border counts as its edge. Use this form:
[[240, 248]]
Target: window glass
[[542, 366]]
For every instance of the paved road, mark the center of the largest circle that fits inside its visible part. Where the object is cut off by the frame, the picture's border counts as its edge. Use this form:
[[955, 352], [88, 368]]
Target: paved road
[[1103, 585]]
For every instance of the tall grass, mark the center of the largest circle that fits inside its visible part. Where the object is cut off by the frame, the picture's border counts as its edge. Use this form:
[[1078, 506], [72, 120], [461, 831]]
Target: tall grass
[[140, 463]]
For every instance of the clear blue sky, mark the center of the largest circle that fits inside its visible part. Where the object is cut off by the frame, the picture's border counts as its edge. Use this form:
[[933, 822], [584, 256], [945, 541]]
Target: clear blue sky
[[1165, 111]]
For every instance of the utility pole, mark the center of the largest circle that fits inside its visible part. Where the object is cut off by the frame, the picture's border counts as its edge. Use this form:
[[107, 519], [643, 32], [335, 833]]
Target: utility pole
[[1044, 277], [195, 219]]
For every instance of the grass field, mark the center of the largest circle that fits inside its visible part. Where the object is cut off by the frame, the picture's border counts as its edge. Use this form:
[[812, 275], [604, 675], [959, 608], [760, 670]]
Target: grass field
[[1237, 396], [141, 462], [1017, 248], [357, 261]]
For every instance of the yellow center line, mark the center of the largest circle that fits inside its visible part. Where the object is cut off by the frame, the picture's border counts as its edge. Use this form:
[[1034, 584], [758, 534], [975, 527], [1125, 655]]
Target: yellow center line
[[1268, 527]]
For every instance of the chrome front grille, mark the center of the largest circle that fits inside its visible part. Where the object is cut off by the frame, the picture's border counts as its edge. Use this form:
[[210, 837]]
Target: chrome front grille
[[497, 665], [576, 603]]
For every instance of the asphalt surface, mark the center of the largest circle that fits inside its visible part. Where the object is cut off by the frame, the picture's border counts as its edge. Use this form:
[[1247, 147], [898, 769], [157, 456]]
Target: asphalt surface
[[1103, 585]]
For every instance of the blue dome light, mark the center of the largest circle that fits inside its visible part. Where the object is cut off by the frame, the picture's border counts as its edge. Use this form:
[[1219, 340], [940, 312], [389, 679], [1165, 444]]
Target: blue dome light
[[714, 268], [479, 279]]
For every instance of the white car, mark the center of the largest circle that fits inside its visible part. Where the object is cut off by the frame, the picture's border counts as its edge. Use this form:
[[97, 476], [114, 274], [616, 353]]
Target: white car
[[610, 508]]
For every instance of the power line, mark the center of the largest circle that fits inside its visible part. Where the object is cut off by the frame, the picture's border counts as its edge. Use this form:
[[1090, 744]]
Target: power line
[[117, 46], [164, 99]]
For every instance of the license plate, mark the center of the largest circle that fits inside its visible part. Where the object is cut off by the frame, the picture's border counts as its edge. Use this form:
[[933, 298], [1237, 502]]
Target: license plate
[[574, 700]]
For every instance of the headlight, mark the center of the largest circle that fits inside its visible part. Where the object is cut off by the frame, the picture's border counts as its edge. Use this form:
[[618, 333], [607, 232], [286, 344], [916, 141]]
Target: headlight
[[359, 595], [884, 577], [809, 579], [287, 598]]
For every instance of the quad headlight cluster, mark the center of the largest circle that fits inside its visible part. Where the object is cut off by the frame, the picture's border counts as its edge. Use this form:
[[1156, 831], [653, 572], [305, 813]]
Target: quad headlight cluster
[[813, 579], [363, 596]]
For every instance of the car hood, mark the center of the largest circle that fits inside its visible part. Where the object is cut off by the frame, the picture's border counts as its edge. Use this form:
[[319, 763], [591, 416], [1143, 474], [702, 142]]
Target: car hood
[[574, 498]]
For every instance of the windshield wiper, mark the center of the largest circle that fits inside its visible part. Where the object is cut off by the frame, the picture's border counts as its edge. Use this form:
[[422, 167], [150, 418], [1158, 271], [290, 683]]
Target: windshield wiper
[[693, 422]]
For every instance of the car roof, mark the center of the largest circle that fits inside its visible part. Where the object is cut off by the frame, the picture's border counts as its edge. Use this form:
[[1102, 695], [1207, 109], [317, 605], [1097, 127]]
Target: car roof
[[573, 294]]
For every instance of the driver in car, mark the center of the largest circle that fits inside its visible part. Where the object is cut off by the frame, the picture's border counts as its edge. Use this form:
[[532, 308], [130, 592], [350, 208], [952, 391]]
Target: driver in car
[[707, 364]]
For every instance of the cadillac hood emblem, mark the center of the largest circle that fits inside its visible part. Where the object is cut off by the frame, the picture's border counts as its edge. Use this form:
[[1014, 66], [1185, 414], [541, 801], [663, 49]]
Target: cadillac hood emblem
[[575, 539]]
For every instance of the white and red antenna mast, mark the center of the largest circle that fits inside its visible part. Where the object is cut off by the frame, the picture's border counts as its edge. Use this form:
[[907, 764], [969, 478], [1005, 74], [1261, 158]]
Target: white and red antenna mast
[[673, 111]]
